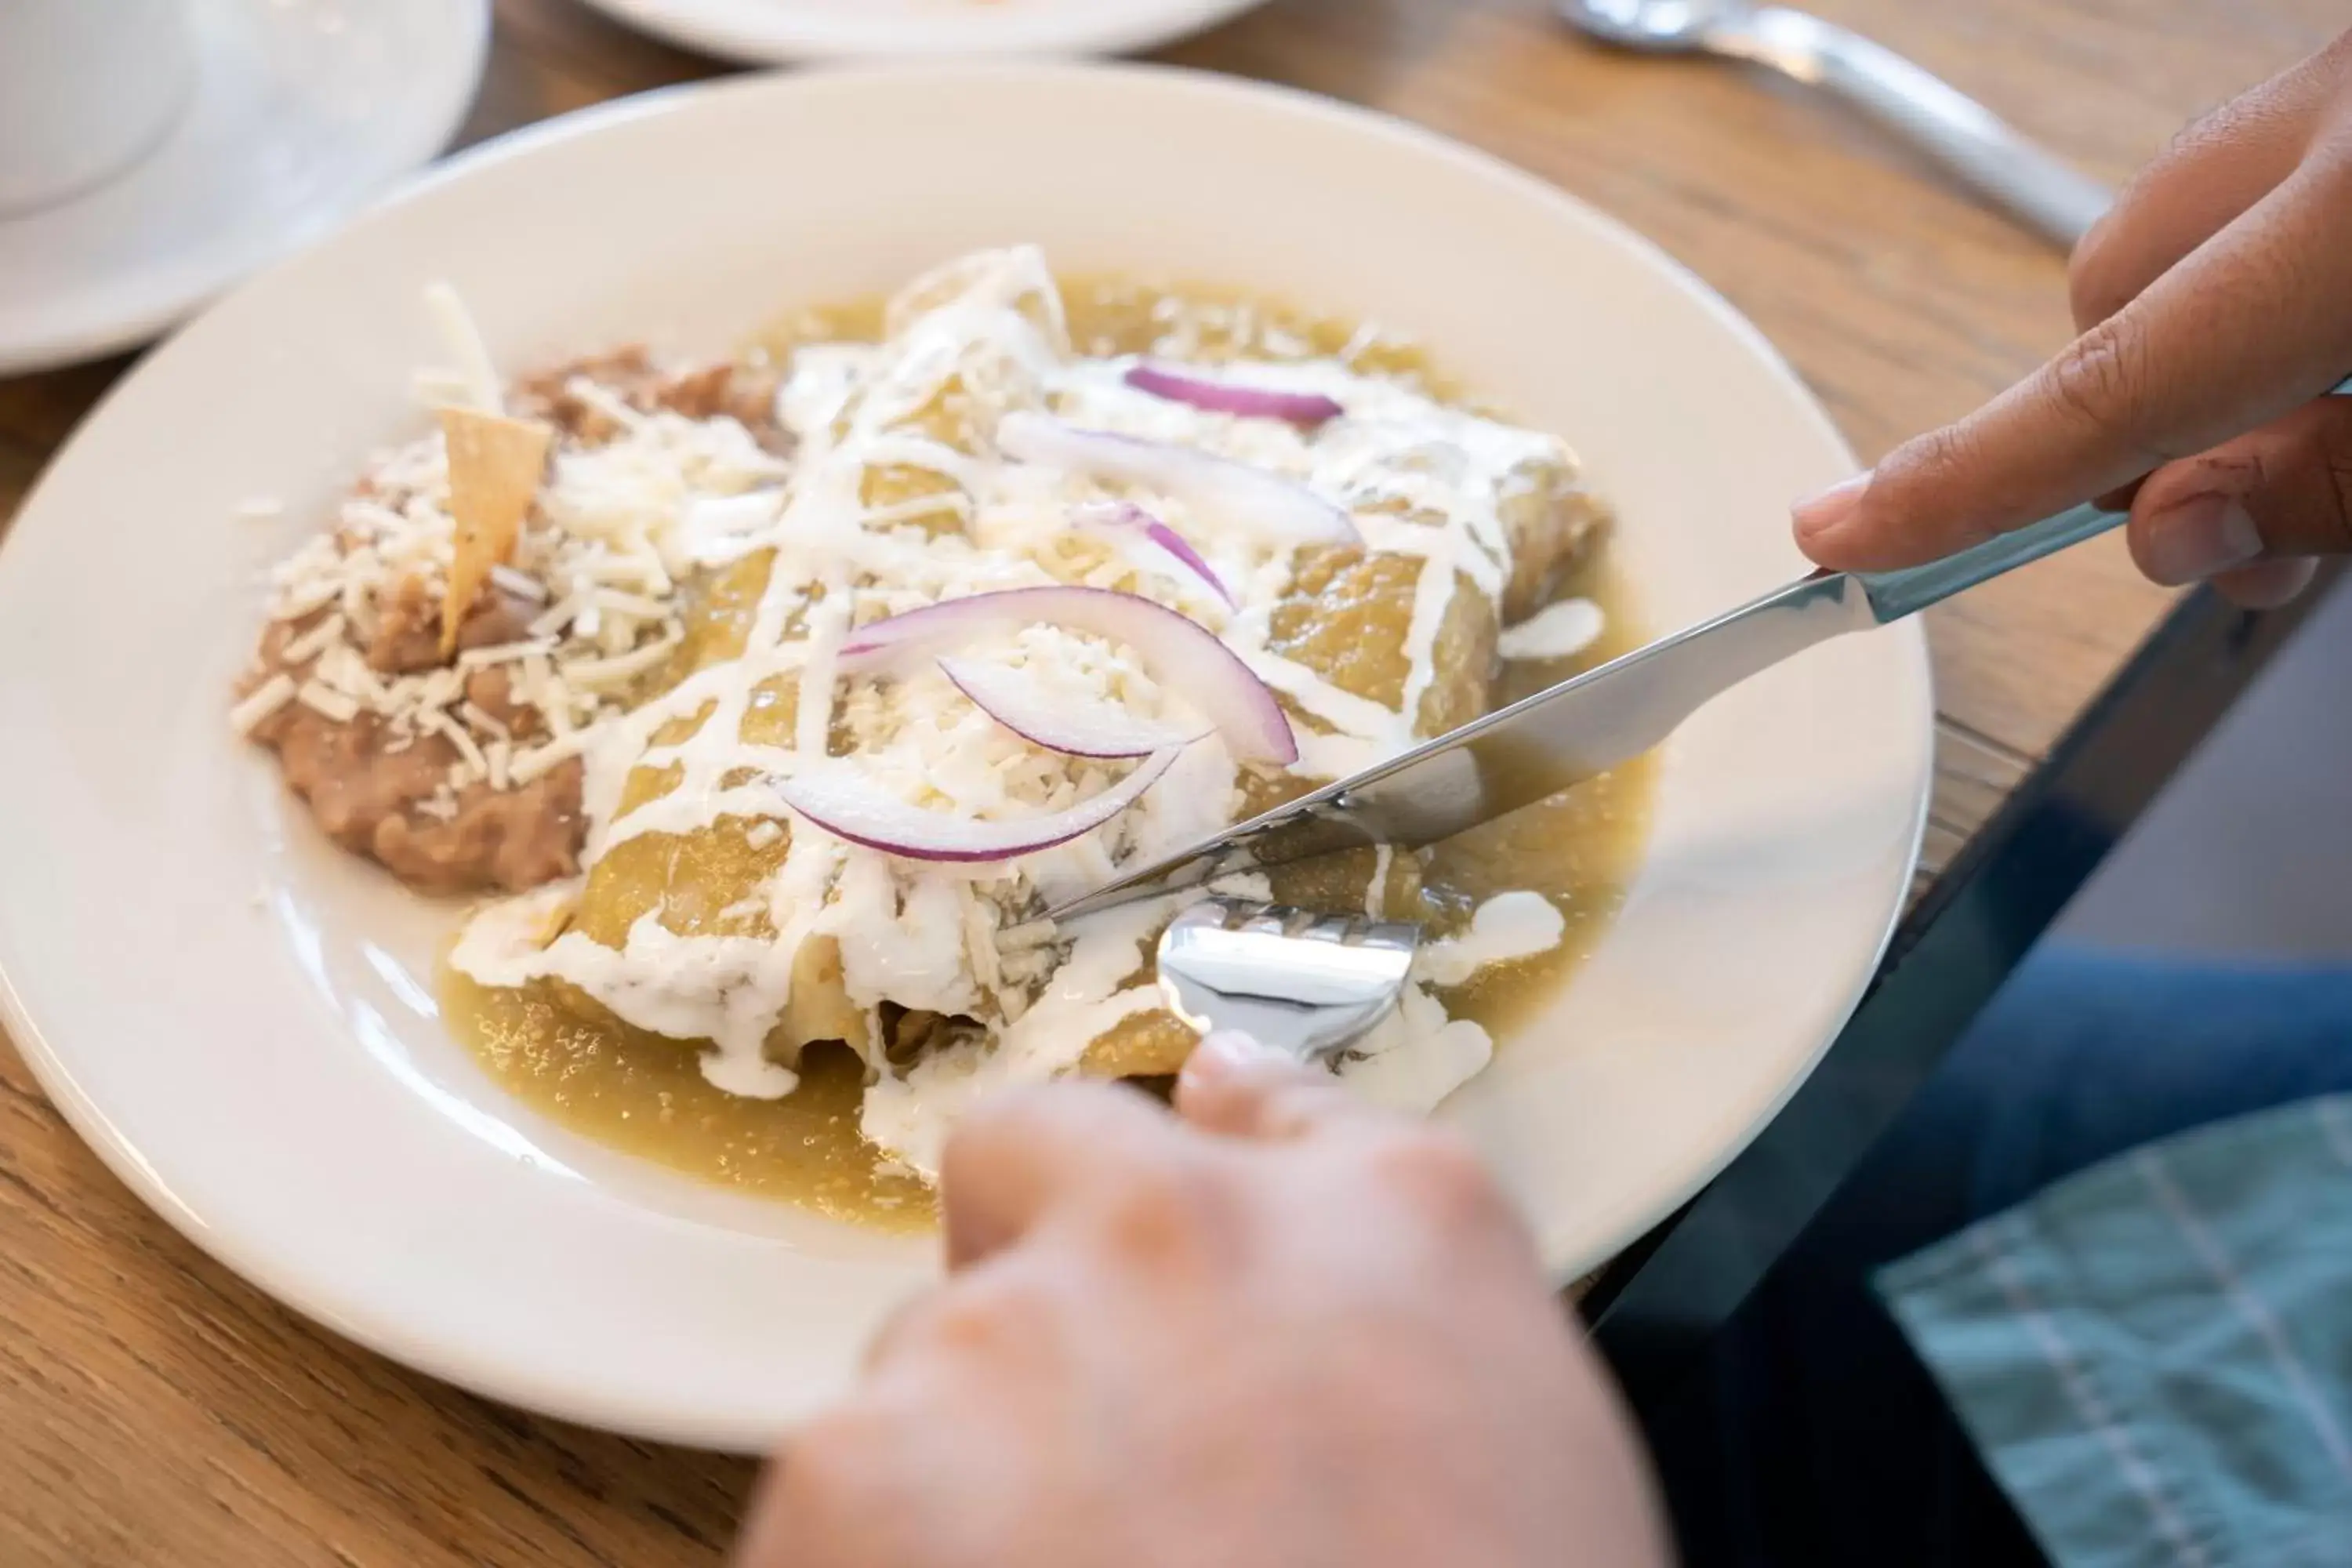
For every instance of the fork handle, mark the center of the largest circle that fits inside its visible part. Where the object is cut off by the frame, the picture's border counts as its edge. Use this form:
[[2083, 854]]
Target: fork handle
[[1947, 125]]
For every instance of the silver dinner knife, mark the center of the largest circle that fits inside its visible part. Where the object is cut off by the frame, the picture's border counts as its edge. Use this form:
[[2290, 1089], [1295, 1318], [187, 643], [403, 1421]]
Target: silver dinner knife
[[1541, 745], [1538, 746]]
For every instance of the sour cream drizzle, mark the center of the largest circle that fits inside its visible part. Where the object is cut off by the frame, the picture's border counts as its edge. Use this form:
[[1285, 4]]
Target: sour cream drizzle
[[881, 514]]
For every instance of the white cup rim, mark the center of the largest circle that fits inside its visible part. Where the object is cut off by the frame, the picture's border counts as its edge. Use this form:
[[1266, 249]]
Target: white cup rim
[[88, 89]]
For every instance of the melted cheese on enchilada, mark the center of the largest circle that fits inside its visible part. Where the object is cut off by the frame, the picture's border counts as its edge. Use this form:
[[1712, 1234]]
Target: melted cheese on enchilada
[[935, 464]]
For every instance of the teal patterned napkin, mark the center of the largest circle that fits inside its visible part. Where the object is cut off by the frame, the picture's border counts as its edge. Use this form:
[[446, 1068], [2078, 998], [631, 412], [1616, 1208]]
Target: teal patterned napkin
[[2154, 1356]]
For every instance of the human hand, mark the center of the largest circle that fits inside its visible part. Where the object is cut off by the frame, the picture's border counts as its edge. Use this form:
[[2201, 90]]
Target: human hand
[[2215, 305], [1297, 1331]]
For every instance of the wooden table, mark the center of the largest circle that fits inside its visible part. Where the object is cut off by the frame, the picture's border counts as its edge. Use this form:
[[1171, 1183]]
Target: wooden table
[[154, 1409]]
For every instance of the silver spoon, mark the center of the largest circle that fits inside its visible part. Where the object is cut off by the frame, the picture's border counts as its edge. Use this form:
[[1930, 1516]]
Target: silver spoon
[[1947, 125]]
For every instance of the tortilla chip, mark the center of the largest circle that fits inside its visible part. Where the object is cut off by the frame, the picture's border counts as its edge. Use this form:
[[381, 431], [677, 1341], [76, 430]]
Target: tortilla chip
[[494, 464]]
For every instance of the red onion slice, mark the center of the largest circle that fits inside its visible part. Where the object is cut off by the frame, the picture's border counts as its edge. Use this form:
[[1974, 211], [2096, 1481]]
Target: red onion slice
[[1119, 517], [1090, 730], [1224, 397], [848, 804], [1179, 653], [1276, 509]]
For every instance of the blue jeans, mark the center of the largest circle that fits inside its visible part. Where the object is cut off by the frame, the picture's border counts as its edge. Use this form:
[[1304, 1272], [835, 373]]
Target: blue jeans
[[1821, 1441]]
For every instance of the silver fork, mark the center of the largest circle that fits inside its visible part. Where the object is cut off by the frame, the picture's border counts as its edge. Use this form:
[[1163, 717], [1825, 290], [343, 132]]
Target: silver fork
[[1307, 983], [1957, 132]]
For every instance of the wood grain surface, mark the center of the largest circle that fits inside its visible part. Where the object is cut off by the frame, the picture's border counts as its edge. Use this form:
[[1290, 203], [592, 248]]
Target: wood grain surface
[[155, 1409]]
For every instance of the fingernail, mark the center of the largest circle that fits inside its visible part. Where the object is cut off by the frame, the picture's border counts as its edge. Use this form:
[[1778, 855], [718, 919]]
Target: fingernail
[[1224, 1051], [1825, 511], [2190, 541]]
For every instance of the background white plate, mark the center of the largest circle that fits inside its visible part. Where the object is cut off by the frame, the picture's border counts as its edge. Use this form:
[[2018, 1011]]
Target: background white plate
[[240, 1020], [776, 31], [301, 111]]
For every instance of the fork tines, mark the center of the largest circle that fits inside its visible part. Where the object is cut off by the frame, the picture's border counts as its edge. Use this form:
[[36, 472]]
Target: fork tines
[[1289, 920]]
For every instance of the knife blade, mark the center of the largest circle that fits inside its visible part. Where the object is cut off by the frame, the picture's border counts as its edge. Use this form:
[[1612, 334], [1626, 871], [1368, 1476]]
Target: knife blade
[[1542, 744]]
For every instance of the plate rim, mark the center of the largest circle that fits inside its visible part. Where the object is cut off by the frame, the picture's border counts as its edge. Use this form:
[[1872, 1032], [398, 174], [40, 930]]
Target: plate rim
[[689, 24], [585, 1403]]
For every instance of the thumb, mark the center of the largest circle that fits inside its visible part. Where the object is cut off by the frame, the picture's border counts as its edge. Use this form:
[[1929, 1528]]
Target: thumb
[[2249, 507], [1234, 1084]]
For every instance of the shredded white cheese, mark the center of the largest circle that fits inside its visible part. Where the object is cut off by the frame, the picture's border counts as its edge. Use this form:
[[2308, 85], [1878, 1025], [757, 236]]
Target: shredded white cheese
[[881, 512], [316, 641], [328, 702], [535, 763], [603, 606], [262, 701], [897, 497]]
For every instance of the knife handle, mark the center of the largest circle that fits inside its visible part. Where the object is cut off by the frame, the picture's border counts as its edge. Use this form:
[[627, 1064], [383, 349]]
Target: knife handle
[[1895, 594]]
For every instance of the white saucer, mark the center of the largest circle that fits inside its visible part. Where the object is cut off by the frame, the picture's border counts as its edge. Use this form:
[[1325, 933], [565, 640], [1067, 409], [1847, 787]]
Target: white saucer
[[303, 109], [770, 32]]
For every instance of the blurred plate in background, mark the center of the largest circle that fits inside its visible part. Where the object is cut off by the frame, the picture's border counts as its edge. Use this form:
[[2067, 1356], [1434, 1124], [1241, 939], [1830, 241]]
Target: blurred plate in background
[[771, 31]]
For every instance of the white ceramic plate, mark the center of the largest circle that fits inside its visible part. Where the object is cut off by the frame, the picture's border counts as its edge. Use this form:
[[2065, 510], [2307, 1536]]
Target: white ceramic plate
[[241, 1020], [301, 111], [778, 31]]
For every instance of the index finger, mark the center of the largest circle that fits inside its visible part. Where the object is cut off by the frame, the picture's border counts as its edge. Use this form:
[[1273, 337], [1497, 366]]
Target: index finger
[[2211, 173], [2249, 326]]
